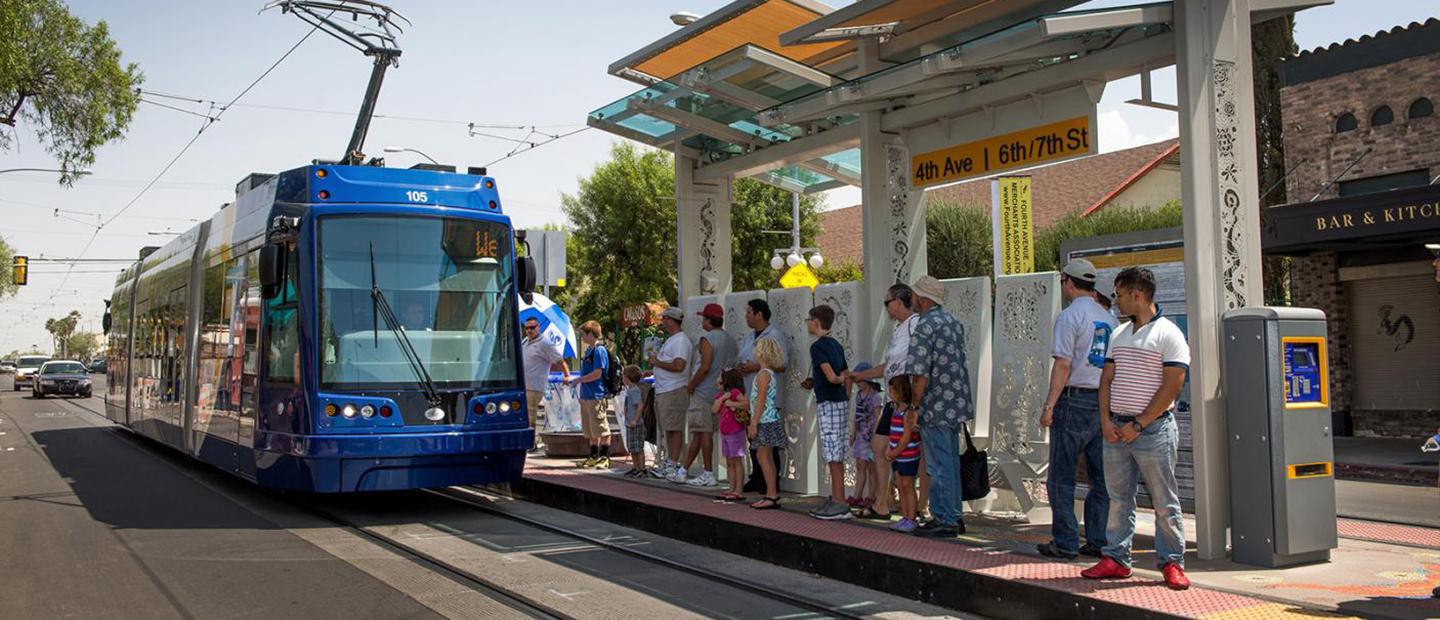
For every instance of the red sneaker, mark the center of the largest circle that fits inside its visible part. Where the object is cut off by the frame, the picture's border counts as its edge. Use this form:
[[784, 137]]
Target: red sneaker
[[1175, 577], [1106, 569]]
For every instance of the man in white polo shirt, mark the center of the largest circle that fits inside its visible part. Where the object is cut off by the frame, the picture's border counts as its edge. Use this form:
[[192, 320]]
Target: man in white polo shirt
[[1144, 373], [671, 398], [1072, 413]]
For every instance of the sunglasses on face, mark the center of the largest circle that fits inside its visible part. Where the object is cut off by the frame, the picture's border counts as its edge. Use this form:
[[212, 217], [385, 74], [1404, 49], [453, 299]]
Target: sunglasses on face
[[531, 327], [886, 303]]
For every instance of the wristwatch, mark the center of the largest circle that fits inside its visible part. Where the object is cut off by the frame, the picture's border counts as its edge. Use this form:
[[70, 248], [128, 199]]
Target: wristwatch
[[1139, 428]]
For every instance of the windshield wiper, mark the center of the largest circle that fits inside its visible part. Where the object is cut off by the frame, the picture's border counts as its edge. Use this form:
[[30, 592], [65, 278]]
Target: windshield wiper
[[407, 350]]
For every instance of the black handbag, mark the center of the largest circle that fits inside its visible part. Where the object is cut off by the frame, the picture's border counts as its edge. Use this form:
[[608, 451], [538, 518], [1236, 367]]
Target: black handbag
[[974, 470]]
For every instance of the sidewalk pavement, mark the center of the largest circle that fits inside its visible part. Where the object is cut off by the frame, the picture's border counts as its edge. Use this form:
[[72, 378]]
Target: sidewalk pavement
[[1379, 570], [1386, 459]]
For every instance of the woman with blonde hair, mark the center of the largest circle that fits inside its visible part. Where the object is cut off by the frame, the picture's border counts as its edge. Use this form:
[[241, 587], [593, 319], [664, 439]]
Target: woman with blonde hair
[[766, 429]]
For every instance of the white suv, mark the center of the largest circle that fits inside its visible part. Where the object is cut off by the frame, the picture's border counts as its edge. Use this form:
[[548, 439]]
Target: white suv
[[26, 368]]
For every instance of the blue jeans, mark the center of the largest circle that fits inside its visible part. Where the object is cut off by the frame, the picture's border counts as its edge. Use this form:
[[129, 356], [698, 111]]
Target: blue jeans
[[941, 445], [1151, 457], [1075, 431]]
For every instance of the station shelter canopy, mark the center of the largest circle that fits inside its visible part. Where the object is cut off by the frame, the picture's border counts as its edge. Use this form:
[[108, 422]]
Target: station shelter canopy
[[759, 73]]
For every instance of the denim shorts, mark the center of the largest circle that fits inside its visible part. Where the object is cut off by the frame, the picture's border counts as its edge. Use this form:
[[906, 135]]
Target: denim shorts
[[906, 468]]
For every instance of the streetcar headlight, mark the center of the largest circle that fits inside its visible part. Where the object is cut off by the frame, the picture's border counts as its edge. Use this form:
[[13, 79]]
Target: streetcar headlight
[[434, 414], [490, 409], [504, 407], [348, 411], [367, 412]]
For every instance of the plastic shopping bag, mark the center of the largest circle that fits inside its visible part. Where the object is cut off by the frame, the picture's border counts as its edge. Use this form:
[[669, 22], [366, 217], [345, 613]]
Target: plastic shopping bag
[[562, 407]]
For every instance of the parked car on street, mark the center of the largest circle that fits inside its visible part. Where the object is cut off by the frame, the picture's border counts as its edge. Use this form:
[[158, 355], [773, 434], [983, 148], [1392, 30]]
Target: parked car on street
[[98, 367], [61, 377], [25, 369], [7, 367]]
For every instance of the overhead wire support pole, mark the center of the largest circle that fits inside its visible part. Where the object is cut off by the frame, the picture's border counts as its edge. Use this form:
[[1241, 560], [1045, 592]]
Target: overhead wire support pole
[[377, 41]]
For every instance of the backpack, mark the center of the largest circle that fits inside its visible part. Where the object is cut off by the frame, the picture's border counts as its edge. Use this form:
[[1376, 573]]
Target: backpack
[[610, 380]]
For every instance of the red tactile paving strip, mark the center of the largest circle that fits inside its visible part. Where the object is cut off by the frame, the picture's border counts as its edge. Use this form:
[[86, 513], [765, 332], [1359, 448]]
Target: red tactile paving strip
[[1135, 592], [1389, 533]]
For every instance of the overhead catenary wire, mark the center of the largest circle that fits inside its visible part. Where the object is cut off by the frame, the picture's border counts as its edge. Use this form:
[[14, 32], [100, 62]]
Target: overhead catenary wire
[[393, 117], [208, 123]]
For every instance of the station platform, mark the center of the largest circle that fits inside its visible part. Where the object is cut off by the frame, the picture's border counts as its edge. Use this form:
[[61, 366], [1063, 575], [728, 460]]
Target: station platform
[[1379, 571]]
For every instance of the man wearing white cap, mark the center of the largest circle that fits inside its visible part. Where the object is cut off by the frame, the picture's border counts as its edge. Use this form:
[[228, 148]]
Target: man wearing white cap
[[671, 397], [1072, 413], [941, 393]]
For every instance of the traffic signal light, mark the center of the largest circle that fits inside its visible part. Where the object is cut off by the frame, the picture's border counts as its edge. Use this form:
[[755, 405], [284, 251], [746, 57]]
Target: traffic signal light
[[21, 273]]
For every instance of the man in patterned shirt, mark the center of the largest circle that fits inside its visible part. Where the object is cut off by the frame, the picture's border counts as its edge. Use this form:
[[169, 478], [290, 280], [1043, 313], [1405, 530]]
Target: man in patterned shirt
[[941, 386]]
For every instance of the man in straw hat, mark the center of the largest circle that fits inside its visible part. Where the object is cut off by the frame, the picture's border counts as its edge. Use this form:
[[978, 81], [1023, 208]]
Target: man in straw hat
[[941, 388]]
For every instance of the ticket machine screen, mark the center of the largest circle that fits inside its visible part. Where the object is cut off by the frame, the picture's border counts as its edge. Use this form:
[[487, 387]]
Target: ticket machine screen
[[1304, 381]]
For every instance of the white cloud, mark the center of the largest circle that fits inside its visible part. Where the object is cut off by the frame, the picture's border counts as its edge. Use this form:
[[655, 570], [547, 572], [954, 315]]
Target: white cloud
[[1116, 133]]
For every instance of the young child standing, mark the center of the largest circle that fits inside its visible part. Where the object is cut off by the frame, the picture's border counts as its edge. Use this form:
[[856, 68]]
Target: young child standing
[[867, 407], [766, 430], [634, 422], [832, 402], [904, 452], [731, 407]]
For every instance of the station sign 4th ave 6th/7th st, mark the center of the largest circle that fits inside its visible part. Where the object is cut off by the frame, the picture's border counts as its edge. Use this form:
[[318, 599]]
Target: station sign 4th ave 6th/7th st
[[1060, 140]]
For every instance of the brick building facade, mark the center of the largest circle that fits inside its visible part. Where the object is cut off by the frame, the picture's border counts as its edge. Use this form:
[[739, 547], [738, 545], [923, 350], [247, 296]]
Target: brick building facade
[[1362, 138]]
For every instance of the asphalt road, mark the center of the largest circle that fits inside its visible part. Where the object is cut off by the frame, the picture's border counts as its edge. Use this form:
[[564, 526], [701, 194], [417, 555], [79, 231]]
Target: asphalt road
[[96, 522]]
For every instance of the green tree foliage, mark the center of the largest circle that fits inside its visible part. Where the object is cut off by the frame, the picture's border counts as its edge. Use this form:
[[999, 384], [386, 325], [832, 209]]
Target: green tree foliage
[[622, 240], [757, 208], [844, 271], [1271, 41], [959, 235], [82, 345], [957, 238], [61, 329], [622, 244], [64, 79], [7, 272], [1107, 221]]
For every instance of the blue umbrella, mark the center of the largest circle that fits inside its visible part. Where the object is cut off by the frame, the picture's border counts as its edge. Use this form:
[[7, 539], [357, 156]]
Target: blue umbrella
[[554, 323]]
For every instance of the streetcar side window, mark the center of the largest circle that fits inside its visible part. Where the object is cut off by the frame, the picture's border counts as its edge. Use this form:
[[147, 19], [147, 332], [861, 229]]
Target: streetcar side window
[[282, 320]]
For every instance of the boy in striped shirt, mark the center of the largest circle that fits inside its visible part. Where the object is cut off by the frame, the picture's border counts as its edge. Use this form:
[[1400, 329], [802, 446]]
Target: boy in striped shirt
[[1144, 373]]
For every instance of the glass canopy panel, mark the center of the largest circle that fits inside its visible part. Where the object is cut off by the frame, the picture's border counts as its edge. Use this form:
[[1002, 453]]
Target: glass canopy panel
[[644, 124], [797, 179], [847, 161], [1018, 47]]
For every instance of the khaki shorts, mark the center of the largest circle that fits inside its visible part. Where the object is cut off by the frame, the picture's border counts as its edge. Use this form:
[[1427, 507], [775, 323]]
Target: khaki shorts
[[670, 410], [593, 420], [533, 398], [698, 415]]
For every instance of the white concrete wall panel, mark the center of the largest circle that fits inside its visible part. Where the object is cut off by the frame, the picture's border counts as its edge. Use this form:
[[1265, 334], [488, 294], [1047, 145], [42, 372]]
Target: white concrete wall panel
[[799, 464], [969, 299]]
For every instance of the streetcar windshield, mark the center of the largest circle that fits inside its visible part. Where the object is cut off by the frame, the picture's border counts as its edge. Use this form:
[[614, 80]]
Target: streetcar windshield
[[449, 283]]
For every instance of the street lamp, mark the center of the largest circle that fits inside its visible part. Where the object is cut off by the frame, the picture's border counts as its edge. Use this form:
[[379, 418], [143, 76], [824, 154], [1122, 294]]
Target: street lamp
[[683, 18], [402, 149], [794, 255]]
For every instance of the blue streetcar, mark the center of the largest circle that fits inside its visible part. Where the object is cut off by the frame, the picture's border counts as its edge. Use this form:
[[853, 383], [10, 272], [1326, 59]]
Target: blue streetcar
[[337, 328]]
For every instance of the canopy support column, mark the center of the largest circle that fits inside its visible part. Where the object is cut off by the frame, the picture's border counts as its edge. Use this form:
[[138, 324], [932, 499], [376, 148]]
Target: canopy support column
[[702, 217], [892, 220], [1219, 188]]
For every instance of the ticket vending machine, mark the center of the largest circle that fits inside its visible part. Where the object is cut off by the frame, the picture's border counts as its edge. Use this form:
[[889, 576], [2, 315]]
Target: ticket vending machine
[[1277, 407]]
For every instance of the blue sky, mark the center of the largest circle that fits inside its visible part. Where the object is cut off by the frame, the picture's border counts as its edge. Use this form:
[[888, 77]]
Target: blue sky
[[536, 63]]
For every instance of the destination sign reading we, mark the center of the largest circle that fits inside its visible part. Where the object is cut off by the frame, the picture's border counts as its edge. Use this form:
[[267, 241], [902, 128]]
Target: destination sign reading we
[[1061, 140]]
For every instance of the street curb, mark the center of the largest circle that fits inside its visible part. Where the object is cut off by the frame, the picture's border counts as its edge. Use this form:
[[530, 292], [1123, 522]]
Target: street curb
[[1392, 474], [953, 588]]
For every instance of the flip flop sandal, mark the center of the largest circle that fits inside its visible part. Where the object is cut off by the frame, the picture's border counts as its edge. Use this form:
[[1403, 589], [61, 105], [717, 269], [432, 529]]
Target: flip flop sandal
[[869, 513], [773, 504]]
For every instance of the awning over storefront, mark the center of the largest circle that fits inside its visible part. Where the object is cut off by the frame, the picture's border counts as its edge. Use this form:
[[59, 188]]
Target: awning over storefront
[[1383, 219]]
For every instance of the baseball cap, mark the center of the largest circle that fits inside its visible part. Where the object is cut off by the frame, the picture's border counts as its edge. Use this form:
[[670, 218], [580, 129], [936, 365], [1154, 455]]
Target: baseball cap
[[1080, 269], [673, 313], [712, 311]]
